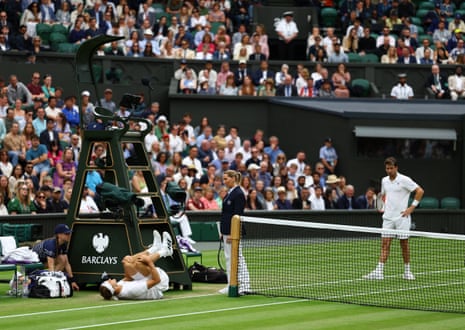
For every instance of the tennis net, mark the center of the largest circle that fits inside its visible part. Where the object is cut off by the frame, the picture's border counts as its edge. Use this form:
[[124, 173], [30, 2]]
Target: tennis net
[[329, 262]]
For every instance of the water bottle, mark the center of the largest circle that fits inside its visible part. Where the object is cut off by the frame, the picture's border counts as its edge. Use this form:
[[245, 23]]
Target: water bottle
[[25, 287]]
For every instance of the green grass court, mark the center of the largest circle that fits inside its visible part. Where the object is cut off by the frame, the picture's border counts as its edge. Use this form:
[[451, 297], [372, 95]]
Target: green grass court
[[203, 308], [333, 270]]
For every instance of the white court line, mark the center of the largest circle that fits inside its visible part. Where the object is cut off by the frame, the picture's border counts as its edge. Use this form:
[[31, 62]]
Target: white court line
[[186, 314], [123, 304]]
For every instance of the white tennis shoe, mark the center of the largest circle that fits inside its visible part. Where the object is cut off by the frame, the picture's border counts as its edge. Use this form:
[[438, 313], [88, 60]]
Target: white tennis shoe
[[166, 246], [156, 245], [409, 276], [374, 275]]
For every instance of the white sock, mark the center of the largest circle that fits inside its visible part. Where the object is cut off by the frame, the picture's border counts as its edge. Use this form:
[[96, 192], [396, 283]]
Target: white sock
[[407, 268], [380, 267]]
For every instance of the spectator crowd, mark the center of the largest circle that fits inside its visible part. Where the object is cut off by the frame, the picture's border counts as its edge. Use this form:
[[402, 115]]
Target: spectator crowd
[[388, 31]]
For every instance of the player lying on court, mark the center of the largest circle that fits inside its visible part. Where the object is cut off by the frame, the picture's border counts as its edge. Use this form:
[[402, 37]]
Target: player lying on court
[[142, 280]]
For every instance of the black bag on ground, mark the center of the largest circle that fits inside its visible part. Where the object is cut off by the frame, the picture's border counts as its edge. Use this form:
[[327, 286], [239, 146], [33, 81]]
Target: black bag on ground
[[46, 284], [201, 273]]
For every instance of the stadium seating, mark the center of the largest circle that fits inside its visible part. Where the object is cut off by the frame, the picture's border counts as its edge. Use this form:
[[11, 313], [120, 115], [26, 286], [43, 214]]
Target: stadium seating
[[56, 38], [450, 203], [369, 58], [328, 16], [366, 87], [421, 13], [462, 6], [426, 5], [429, 203], [354, 58]]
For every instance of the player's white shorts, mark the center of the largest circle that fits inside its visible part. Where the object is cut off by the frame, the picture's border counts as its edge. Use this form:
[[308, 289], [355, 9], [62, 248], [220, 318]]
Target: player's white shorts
[[401, 223]]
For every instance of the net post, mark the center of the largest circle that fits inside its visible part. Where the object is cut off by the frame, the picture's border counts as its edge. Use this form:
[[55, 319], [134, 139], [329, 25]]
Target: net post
[[235, 237]]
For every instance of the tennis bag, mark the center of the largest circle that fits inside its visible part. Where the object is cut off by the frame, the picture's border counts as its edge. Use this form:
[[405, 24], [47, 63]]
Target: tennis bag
[[200, 273], [46, 284]]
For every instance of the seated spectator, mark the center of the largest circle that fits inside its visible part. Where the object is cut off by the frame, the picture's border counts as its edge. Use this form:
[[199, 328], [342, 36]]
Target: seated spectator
[[303, 201], [441, 33], [208, 199], [348, 201], [456, 23], [38, 156], [338, 56], [282, 202], [188, 84], [390, 57], [326, 90], [184, 52], [459, 50], [257, 55], [436, 84], [366, 44], [40, 202], [267, 89], [302, 79], [368, 200], [229, 87], [239, 52], [385, 37], [456, 36], [427, 58], [77, 35], [56, 204], [195, 203], [402, 91], [222, 53], [65, 168], [253, 202], [247, 88], [350, 42], [287, 89], [314, 49], [341, 80], [63, 15], [317, 201], [420, 51], [407, 57], [281, 75], [457, 84], [441, 55], [260, 37], [22, 202]]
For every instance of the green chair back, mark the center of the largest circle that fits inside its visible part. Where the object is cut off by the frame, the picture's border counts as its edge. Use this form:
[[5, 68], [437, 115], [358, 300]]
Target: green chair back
[[354, 58], [329, 16], [369, 58], [429, 203], [58, 28], [450, 203], [421, 13], [426, 5], [361, 85]]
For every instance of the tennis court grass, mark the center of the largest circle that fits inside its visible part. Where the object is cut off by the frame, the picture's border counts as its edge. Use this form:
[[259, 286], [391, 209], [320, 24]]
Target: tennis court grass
[[332, 269], [203, 308]]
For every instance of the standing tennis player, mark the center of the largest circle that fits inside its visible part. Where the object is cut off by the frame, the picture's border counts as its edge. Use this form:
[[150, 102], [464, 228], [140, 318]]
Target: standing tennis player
[[233, 204], [395, 190]]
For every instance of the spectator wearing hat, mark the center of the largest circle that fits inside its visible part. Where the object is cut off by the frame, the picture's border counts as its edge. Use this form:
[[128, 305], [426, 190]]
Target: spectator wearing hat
[[282, 202], [107, 101], [402, 91], [56, 204], [287, 31], [328, 156], [148, 38], [53, 253], [161, 127], [456, 24]]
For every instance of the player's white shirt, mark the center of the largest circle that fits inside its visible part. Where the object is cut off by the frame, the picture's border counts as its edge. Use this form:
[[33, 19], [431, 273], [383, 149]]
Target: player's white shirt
[[137, 289], [396, 194]]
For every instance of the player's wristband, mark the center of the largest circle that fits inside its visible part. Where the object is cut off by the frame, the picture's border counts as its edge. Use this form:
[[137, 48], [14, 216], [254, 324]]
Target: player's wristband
[[415, 203]]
